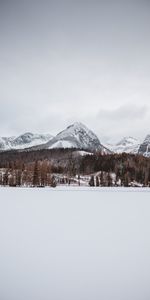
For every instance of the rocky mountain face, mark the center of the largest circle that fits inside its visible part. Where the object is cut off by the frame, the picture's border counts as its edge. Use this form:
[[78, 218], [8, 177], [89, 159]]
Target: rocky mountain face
[[127, 145], [76, 135], [144, 148]]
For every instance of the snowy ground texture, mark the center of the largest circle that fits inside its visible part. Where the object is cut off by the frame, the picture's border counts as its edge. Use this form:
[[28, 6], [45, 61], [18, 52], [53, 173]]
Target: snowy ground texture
[[77, 245]]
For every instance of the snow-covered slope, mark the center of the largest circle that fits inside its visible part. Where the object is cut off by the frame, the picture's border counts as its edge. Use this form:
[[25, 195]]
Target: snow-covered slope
[[78, 136], [144, 148], [127, 145], [29, 140], [5, 143], [23, 141]]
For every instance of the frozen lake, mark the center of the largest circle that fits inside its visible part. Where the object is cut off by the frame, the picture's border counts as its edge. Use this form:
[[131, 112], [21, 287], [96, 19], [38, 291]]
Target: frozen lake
[[74, 245]]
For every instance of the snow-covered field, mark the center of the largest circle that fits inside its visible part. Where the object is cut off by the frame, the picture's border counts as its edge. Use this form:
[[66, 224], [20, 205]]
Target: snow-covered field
[[85, 244]]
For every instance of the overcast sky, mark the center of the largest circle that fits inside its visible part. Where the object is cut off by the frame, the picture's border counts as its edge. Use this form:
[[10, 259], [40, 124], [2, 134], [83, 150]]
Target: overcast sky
[[66, 61]]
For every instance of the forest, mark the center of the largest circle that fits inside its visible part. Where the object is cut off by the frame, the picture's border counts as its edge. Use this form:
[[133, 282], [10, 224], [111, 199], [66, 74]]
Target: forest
[[67, 166]]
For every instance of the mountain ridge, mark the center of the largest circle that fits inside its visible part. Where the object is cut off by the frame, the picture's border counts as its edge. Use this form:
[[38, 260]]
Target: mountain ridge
[[23, 141], [76, 135]]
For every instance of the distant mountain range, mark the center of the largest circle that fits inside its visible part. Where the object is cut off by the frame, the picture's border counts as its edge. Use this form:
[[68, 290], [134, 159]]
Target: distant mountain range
[[132, 145], [127, 145], [77, 136]]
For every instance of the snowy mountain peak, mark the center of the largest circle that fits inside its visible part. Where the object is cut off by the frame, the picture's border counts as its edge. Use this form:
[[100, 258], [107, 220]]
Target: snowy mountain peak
[[79, 131], [23, 141], [77, 135], [77, 125]]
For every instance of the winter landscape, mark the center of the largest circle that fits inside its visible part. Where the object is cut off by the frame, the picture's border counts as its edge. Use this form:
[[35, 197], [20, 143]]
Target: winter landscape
[[74, 150], [74, 157]]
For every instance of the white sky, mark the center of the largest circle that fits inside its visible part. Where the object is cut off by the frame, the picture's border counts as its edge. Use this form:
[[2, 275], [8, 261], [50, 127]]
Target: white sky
[[66, 61]]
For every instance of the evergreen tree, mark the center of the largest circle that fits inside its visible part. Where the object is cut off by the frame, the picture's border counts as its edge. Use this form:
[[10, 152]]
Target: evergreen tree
[[97, 181], [36, 180], [91, 182]]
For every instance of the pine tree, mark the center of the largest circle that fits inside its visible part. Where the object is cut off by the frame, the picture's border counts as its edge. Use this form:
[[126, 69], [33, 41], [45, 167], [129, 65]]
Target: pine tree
[[91, 182], [36, 180], [102, 178], [97, 181]]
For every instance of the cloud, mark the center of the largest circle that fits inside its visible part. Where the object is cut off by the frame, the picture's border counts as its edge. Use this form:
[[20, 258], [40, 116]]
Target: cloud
[[124, 112], [125, 120]]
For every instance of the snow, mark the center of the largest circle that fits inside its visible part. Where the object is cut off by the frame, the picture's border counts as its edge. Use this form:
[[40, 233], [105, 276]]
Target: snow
[[61, 144], [84, 153], [82, 244]]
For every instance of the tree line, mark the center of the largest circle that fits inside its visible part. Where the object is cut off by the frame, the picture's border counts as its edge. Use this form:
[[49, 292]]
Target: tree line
[[41, 168]]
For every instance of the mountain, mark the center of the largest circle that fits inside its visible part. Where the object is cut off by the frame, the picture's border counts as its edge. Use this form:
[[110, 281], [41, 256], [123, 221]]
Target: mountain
[[144, 148], [127, 144], [77, 136], [23, 141]]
